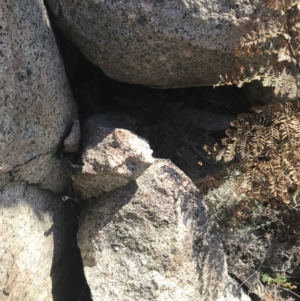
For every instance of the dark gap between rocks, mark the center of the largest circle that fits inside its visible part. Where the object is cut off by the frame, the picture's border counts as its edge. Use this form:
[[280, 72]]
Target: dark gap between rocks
[[68, 280], [176, 122]]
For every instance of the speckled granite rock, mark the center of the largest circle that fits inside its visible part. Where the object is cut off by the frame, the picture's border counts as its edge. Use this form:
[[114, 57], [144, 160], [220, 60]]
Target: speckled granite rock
[[152, 240], [176, 43], [31, 246], [49, 173], [71, 143], [233, 292], [36, 106], [112, 157]]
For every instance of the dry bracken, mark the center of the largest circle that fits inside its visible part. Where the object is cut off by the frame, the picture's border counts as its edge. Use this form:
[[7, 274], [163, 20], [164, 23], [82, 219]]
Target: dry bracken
[[284, 42], [266, 144], [255, 200], [277, 44]]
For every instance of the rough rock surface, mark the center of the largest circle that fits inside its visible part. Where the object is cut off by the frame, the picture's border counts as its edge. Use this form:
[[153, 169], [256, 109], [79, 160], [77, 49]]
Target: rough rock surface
[[112, 157], [36, 106], [152, 240], [71, 143], [176, 43], [31, 245], [233, 292], [45, 170]]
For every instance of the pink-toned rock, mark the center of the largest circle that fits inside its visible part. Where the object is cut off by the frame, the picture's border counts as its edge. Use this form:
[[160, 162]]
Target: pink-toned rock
[[31, 246], [112, 157], [46, 172], [153, 240], [71, 143], [186, 43]]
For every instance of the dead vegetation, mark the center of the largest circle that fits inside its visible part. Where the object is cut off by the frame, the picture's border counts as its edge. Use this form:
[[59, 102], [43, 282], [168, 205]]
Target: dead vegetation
[[267, 145], [276, 48], [255, 200], [284, 42]]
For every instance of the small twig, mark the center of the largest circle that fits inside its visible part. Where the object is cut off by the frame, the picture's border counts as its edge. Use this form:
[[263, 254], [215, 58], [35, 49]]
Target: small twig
[[256, 272], [292, 51], [288, 290]]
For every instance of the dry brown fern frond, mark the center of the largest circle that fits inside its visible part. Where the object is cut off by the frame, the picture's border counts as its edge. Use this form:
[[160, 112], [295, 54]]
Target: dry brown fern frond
[[282, 80], [280, 4], [260, 198], [266, 145], [283, 41], [258, 133], [257, 43], [293, 25], [212, 181], [278, 45]]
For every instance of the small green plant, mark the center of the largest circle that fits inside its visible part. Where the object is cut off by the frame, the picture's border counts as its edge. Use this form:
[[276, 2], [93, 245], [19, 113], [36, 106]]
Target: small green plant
[[267, 279], [279, 280]]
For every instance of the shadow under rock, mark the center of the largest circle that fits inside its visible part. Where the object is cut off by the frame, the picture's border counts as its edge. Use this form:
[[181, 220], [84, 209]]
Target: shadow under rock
[[105, 207], [67, 276], [68, 279]]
